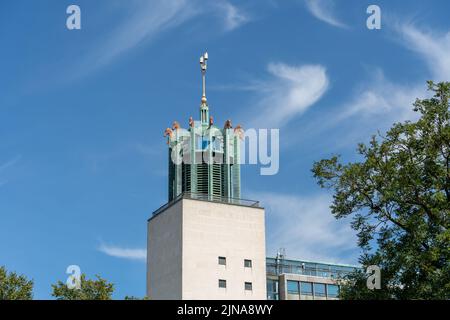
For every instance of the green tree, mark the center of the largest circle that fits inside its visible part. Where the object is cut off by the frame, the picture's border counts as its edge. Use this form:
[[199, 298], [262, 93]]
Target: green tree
[[14, 286], [99, 289], [398, 196]]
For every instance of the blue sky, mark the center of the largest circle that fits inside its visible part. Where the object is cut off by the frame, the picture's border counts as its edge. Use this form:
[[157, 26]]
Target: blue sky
[[82, 113]]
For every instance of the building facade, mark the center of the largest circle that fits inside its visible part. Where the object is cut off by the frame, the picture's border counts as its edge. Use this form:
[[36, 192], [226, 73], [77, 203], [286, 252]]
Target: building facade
[[203, 249], [304, 280]]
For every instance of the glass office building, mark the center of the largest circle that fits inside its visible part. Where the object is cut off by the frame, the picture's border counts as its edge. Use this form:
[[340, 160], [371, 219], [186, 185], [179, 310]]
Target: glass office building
[[304, 280]]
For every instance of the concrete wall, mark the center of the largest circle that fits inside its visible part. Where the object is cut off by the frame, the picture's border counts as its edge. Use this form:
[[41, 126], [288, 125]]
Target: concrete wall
[[164, 254], [213, 229], [185, 241]]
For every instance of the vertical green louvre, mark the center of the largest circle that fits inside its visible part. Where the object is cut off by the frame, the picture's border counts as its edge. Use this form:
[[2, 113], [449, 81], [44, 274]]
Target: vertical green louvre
[[197, 173]]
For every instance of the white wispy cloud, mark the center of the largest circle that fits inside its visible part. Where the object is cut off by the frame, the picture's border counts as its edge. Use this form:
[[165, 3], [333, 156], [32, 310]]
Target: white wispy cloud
[[233, 17], [432, 46], [373, 106], [144, 21], [289, 93], [384, 98], [10, 162], [305, 227], [324, 11], [124, 253], [390, 101]]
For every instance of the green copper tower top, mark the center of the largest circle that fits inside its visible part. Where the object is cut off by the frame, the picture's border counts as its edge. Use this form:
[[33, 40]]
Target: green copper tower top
[[204, 160], [204, 110]]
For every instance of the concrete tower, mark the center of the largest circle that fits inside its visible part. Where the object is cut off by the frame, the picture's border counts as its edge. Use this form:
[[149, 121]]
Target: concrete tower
[[206, 242]]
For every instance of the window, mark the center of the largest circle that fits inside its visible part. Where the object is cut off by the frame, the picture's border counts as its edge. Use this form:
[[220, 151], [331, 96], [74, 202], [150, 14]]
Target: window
[[332, 290], [247, 263], [272, 289], [319, 289], [292, 287], [222, 283], [223, 261], [248, 286], [306, 288]]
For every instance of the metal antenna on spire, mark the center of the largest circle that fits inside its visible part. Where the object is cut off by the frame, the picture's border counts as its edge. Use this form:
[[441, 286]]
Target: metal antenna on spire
[[204, 66]]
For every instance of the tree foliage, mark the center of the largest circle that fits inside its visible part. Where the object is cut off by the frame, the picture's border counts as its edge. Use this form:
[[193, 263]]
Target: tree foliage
[[399, 199], [14, 286], [99, 289]]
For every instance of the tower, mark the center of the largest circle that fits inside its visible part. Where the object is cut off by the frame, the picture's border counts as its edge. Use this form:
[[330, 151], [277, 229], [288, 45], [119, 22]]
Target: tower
[[204, 159], [206, 242]]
